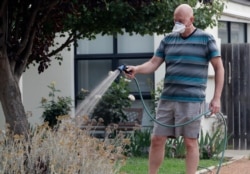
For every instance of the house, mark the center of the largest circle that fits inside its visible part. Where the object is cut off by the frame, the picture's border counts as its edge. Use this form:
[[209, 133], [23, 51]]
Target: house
[[86, 66]]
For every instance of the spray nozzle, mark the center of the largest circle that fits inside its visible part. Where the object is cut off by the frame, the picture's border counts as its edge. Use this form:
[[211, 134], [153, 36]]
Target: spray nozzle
[[123, 68]]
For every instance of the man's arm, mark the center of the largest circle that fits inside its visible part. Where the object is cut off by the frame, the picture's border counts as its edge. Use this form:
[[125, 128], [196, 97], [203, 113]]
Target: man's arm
[[219, 82]]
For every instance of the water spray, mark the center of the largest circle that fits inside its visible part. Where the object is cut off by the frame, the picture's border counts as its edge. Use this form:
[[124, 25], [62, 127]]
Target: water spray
[[86, 107], [123, 68]]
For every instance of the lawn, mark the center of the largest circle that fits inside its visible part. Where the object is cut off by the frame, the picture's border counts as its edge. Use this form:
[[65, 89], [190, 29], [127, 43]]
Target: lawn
[[170, 166]]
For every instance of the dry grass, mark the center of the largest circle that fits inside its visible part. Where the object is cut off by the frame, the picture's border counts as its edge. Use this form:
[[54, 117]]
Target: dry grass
[[67, 150]]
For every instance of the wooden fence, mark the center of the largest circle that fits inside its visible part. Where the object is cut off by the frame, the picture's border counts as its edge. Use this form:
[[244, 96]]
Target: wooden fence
[[236, 93]]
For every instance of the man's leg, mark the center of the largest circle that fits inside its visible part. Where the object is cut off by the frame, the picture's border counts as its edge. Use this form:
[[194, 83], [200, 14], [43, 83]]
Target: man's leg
[[156, 153], [192, 156]]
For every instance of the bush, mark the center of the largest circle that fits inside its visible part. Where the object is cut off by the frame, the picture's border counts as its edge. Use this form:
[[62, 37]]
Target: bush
[[67, 150], [175, 148], [55, 108], [209, 146], [139, 142], [111, 107]]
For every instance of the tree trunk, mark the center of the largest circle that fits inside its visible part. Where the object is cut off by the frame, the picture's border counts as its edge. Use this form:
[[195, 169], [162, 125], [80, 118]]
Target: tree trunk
[[10, 97], [10, 94]]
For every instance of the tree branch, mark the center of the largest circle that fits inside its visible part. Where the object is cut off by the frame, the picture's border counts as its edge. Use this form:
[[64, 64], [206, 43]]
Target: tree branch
[[25, 49], [22, 64], [33, 21], [69, 40], [29, 26]]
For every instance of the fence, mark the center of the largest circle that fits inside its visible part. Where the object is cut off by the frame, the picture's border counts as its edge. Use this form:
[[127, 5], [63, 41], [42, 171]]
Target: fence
[[236, 94]]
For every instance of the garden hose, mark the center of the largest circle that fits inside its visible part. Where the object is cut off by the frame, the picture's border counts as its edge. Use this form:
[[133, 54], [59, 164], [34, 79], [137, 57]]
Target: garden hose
[[188, 122]]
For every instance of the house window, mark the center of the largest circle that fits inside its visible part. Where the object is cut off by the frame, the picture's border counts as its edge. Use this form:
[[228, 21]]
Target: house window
[[223, 32], [233, 32], [95, 58], [101, 45], [248, 33], [237, 33], [91, 72], [135, 44]]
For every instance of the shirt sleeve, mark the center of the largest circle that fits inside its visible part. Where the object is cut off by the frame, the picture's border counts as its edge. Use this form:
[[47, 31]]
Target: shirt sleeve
[[213, 50], [160, 51]]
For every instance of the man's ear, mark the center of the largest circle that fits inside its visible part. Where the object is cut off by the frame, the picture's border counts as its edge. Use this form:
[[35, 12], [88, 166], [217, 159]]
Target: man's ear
[[192, 19]]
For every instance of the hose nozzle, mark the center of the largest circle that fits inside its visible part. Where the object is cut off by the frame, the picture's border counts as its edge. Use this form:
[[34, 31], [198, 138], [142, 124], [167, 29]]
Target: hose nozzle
[[123, 68]]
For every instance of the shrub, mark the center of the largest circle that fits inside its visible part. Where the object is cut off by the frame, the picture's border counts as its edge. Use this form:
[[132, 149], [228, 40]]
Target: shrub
[[210, 146], [175, 148], [54, 108], [111, 106], [67, 150], [139, 142]]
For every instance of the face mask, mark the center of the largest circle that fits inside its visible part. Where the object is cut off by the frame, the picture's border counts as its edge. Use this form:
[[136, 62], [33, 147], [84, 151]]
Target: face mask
[[179, 28]]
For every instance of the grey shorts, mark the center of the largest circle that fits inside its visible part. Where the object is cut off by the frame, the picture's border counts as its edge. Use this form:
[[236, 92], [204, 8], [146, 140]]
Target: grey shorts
[[171, 113]]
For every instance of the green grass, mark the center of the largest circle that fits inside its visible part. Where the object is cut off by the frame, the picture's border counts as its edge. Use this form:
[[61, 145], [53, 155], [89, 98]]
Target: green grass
[[139, 165]]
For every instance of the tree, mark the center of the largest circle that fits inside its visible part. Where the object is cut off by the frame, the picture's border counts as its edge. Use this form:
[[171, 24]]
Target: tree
[[28, 29]]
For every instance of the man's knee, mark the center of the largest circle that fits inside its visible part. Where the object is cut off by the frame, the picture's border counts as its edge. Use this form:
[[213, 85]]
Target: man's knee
[[191, 143], [158, 141]]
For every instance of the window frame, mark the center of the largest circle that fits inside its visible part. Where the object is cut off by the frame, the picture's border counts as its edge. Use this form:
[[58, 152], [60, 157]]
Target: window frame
[[115, 57], [229, 31]]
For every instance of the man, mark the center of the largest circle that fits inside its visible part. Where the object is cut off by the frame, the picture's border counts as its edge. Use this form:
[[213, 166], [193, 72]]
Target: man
[[186, 52]]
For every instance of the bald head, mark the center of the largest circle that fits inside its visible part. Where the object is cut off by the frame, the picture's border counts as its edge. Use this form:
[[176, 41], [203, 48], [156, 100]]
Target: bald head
[[184, 10], [184, 14]]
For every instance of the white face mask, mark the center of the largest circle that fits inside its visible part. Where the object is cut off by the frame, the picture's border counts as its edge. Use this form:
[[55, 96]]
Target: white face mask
[[179, 28]]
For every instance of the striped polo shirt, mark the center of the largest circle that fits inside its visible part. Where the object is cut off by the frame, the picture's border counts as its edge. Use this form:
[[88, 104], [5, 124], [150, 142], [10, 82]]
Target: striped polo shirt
[[186, 61]]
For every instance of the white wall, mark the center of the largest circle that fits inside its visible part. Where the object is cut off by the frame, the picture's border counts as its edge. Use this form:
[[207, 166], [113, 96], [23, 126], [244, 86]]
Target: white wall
[[35, 85], [236, 13]]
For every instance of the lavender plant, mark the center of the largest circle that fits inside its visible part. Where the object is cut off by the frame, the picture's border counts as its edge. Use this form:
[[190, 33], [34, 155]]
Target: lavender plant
[[67, 150]]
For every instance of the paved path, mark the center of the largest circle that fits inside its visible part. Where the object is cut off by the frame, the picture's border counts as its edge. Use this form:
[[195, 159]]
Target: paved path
[[237, 154], [239, 166], [239, 163]]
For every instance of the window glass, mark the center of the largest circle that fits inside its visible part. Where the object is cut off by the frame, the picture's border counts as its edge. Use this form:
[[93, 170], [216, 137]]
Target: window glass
[[237, 32], [91, 73], [99, 45], [135, 43], [248, 33], [145, 80], [223, 33]]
